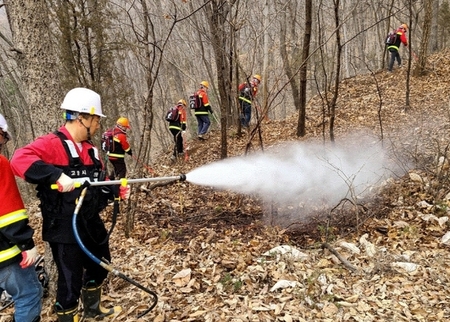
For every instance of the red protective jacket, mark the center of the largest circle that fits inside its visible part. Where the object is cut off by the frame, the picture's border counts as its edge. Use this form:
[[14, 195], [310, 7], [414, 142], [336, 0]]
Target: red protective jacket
[[181, 123], [15, 233], [247, 92], [42, 162], [120, 145], [206, 107], [401, 39]]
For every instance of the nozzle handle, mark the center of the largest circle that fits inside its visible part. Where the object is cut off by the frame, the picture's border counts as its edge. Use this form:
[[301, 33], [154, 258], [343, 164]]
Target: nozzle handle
[[124, 181], [55, 186]]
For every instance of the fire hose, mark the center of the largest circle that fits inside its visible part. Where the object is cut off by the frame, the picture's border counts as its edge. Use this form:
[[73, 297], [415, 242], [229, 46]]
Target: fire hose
[[103, 262]]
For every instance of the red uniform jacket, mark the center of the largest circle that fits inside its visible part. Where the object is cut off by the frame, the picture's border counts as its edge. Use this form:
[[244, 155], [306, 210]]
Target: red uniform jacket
[[15, 233]]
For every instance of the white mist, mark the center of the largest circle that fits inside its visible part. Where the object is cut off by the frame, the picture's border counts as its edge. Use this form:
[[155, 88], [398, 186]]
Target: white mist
[[299, 171]]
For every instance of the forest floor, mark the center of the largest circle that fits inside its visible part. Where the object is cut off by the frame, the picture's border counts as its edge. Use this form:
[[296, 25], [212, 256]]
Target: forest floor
[[219, 255]]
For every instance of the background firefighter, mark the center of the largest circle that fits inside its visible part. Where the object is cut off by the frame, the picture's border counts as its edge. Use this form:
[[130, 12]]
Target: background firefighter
[[68, 156], [202, 113], [394, 49], [247, 92], [176, 127], [120, 146]]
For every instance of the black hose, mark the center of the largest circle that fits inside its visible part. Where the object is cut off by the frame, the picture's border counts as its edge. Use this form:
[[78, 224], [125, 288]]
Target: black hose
[[103, 264]]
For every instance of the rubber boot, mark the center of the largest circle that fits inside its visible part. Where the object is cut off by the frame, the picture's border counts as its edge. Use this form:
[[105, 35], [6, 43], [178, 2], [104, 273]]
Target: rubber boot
[[91, 295], [70, 315]]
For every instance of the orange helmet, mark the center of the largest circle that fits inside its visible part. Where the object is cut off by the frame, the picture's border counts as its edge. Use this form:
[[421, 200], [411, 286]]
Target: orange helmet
[[258, 77], [205, 84], [123, 122], [182, 102], [404, 26]]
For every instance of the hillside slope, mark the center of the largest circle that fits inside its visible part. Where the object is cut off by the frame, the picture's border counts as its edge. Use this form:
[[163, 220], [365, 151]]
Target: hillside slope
[[209, 255]]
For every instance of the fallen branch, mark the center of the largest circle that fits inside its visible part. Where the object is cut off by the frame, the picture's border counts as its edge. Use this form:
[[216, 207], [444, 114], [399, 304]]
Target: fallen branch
[[346, 263]]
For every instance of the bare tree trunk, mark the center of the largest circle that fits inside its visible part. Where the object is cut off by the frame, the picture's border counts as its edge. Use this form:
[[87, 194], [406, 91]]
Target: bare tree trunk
[[36, 61], [301, 127], [217, 16], [408, 75], [338, 70], [290, 62], [424, 42], [267, 54], [434, 43]]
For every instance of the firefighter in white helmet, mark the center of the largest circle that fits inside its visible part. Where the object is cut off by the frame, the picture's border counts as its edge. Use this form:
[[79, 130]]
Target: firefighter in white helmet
[[17, 250], [65, 157]]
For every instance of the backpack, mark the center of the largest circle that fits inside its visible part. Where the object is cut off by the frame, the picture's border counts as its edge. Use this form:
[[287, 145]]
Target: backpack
[[194, 101], [108, 141], [172, 115], [245, 90], [391, 38]]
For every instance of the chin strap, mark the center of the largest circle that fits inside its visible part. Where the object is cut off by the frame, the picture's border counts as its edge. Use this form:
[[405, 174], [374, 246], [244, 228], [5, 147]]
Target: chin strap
[[88, 130]]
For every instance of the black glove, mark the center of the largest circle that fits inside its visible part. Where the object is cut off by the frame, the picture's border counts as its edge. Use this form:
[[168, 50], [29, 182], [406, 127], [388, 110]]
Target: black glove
[[183, 127], [130, 152]]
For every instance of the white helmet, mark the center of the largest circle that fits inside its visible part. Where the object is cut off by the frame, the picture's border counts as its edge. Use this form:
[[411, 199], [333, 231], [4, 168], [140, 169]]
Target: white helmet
[[83, 100], [3, 124]]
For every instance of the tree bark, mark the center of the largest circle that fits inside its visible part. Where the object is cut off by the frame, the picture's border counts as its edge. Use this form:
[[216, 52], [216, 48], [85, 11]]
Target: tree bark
[[36, 62]]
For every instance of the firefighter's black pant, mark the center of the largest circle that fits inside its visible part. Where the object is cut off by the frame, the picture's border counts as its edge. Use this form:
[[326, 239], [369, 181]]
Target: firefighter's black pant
[[119, 169], [75, 269]]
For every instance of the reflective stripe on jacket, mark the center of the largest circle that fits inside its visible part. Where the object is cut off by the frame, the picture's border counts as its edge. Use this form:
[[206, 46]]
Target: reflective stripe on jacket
[[9, 253], [245, 99], [12, 217]]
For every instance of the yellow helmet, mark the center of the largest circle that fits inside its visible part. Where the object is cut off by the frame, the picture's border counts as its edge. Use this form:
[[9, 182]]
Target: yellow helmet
[[404, 26], [258, 77], [123, 122], [182, 102], [205, 84]]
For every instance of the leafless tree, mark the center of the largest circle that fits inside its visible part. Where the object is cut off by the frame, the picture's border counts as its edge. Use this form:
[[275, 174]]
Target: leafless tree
[[425, 40], [217, 16], [34, 55], [301, 127]]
